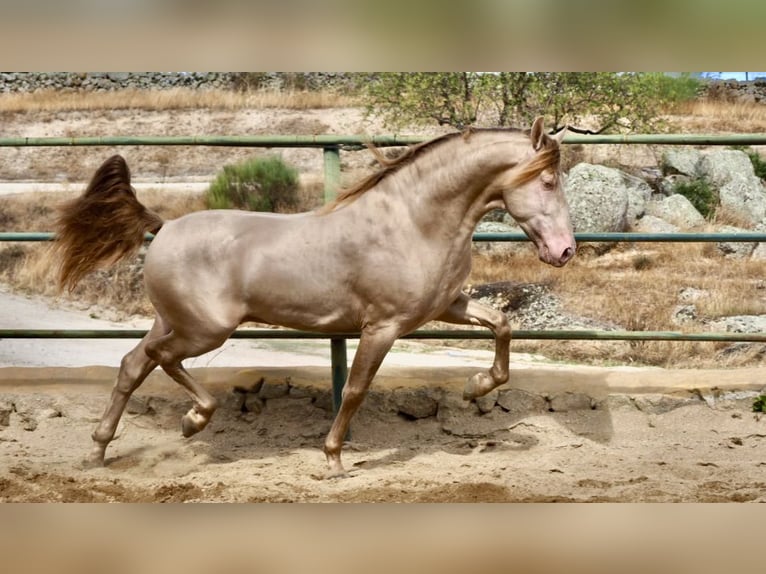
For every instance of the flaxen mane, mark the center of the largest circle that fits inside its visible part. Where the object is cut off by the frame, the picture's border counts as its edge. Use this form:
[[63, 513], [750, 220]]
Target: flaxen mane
[[546, 159]]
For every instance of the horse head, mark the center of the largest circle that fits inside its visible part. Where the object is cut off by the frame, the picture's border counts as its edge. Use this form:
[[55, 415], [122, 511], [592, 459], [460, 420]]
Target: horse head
[[534, 196]]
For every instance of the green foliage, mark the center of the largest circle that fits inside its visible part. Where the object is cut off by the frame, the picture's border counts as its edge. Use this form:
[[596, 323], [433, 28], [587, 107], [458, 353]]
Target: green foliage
[[759, 164], [759, 405], [702, 195], [598, 102], [259, 184]]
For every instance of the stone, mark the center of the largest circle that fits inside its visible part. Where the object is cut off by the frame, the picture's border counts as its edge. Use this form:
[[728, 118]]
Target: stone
[[598, 198], [415, 403], [487, 402], [681, 161], [657, 404], [6, 408], [677, 210], [684, 314], [653, 224], [569, 401], [738, 250], [639, 193], [740, 190], [518, 401], [273, 390]]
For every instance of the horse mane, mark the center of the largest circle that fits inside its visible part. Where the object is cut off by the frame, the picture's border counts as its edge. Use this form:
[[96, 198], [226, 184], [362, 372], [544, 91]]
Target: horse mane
[[547, 158]]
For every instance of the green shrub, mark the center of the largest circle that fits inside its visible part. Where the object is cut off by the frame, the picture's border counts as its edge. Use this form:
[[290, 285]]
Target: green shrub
[[702, 195], [259, 184], [759, 164]]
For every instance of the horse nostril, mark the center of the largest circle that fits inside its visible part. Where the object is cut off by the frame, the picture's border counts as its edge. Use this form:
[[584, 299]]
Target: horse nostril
[[567, 254]]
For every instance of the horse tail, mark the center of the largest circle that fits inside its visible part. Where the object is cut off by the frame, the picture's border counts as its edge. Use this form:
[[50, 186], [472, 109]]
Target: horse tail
[[105, 224]]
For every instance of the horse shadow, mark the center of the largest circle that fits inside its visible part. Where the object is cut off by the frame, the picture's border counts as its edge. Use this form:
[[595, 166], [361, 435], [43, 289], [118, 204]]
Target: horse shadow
[[380, 435]]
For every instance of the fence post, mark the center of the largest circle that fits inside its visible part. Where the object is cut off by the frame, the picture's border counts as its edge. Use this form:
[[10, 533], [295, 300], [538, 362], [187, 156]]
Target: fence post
[[338, 351]]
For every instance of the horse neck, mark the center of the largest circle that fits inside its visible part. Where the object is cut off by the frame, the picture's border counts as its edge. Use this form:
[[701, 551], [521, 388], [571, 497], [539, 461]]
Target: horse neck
[[452, 182]]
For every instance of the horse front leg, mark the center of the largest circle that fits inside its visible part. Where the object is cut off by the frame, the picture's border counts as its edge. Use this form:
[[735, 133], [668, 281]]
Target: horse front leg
[[374, 344], [466, 311]]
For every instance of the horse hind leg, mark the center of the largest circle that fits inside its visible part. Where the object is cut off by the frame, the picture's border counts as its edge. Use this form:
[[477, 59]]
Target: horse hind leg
[[168, 352], [134, 368], [466, 311]]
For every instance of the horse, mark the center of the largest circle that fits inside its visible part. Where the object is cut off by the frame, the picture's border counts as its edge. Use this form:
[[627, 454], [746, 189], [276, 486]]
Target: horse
[[388, 255]]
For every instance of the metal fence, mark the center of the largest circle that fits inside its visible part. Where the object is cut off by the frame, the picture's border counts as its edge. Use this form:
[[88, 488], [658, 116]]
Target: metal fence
[[331, 147]]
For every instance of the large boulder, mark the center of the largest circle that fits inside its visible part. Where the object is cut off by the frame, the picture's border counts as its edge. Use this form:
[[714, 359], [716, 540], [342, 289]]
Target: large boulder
[[639, 194], [739, 189], [677, 210], [683, 161], [598, 198]]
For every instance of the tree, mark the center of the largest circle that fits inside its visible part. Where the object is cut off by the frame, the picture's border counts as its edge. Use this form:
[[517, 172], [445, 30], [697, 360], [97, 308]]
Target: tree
[[589, 102]]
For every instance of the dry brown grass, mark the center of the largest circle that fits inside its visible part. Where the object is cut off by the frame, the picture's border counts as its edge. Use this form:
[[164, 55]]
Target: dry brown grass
[[171, 99], [637, 287], [710, 116]]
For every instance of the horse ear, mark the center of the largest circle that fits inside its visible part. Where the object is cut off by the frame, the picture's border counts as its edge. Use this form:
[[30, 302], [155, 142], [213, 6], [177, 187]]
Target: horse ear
[[559, 137], [537, 133]]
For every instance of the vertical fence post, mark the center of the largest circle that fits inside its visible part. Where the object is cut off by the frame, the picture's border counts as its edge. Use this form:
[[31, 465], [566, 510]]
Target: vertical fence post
[[338, 352]]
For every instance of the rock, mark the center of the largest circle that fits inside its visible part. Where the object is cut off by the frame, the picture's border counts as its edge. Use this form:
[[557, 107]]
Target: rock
[[759, 253], [252, 404], [681, 161], [598, 199], [517, 401], [721, 165], [739, 189], [487, 402], [692, 294], [668, 184], [740, 324], [677, 210], [6, 408], [684, 314], [654, 403], [415, 403], [745, 196], [617, 401], [274, 390], [653, 224], [736, 250], [639, 193], [568, 401]]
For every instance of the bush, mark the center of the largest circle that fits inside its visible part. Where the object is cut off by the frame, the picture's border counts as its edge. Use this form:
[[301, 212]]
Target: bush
[[759, 164], [258, 184], [701, 194]]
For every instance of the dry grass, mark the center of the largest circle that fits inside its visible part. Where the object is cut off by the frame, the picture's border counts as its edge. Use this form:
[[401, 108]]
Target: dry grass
[[711, 116], [171, 99], [637, 287]]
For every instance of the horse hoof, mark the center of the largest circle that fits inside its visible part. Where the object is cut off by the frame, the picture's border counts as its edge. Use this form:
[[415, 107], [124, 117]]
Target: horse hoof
[[93, 460], [478, 385], [193, 422]]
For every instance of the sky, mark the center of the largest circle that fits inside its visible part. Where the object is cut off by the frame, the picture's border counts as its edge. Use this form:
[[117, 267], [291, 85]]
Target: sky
[[735, 75]]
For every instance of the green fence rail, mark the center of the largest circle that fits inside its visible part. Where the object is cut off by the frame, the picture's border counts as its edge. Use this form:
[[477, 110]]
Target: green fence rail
[[331, 146]]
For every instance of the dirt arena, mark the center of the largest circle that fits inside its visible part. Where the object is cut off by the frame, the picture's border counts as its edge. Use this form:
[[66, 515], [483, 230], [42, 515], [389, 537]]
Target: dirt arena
[[646, 435]]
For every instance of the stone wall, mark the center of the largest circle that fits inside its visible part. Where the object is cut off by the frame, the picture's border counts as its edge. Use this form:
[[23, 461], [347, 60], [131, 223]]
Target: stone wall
[[733, 91], [106, 81]]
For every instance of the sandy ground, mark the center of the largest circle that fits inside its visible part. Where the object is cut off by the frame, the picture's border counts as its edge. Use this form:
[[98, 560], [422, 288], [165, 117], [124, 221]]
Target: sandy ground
[[604, 434]]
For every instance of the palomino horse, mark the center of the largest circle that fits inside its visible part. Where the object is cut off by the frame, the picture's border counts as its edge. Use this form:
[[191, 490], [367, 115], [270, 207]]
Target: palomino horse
[[392, 253]]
